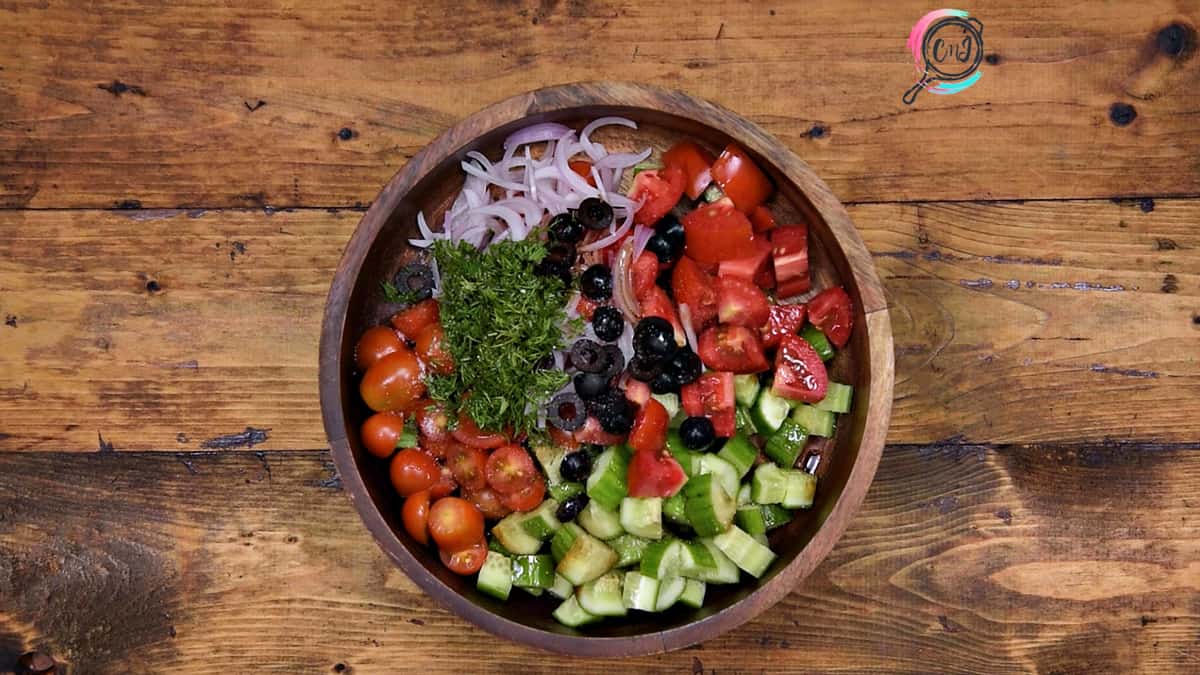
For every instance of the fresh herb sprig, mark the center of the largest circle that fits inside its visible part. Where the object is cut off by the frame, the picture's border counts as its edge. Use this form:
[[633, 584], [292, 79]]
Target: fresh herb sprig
[[396, 296], [500, 321]]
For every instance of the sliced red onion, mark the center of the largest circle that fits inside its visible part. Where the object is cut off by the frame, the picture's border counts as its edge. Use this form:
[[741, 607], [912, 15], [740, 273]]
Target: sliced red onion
[[536, 133], [685, 318], [599, 183], [623, 296], [625, 342], [618, 200], [623, 160], [562, 154], [641, 235], [594, 150], [612, 237], [490, 177], [573, 305]]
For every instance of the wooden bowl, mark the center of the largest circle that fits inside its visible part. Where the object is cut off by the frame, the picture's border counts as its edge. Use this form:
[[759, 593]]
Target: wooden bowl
[[428, 183]]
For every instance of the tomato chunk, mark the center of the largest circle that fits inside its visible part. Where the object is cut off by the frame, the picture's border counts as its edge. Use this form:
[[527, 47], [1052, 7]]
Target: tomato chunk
[[831, 311], [753, 267], [644, 273], [654, 473], [583, 168], [659, 192], [649, 427], [410, 321], [696, 164], [586, 308], [695, 288], [431, 347], [789, 250], [740, 179], [592, 432], [718, 232], [712, 396], [637, 392], [468, 465], [784, 320], [799, 372], [762, 219], [466, 561], [732, 348], [741, 303]]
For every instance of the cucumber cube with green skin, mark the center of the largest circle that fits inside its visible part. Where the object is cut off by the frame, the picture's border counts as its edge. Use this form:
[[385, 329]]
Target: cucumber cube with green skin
[[606, 484], [837, 398], [642, 516], [670, 402], [688, 460], [784, 446], [533, 571], [815, 421], [496, 576], [693, 593], [565, 490], [695, 559], [801, 488], [669, 590], [570, 613], [710, 508], [769, 484], [511, 533], [722, 470], [550, 458], [599, 521], [769, 411], [723, 571], [820, 344], [740, 453], [743, 423], [562, 589], [745, 551], [745, 389], [563, 539], [541, 522], [602, 596], [675, 509], [661, 558], [629, 549], [495, 545], [639, 591], [775, 516], [586, 559], [750, 519]]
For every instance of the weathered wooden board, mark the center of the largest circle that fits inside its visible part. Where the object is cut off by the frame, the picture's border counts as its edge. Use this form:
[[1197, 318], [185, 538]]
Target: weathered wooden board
[[318, 103], [964, 559], [1013, 323]]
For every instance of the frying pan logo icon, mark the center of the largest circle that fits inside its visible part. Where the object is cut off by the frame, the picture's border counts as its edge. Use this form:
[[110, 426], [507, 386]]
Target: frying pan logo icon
[[947, 48]]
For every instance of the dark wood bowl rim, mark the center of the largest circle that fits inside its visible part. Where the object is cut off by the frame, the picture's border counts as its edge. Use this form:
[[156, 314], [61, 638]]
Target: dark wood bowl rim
[[556, 99]]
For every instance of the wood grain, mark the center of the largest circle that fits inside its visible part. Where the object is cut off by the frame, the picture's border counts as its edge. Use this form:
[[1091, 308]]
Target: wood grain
[[318, 103], [963, 559], [229, 338]]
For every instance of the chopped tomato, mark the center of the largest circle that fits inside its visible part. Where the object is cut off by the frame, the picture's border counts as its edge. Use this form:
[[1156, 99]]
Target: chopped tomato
[[410, 321], [393, 383], [468, 433], [741, 303], [591, 432], [751, 268], [732, 348], [511, 469], [415, 516], [431, 347], [526, 498], [831, 310], [644, 273], [649, 427], [762, 219], [799, 372], [444, 485], [718, 232], [376, 343], [659, 192], [784, 320], [433, 422], [488, 502], [654, 473], [711, 396], [656, 303], [586, 307], [696, 164], [637, 392], [562, 439], [466, 561], [468, 465], [740, 179], [789, 250], [412, 471], [380, 433], [694, 287], [584, 169]]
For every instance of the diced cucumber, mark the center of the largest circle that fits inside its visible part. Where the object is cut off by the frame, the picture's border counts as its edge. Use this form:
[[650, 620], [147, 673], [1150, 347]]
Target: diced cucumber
[[722, 470], [607, 482], [662, 558], [562, 589], [495, 545], [550, 458], [532, 590], [533, 571], [775, 516], [668, 401], [541, 522], [642, 516], [745, 389], [629, 549], [587, 559], [743, 423], [761, 538], [599, 521], [819, 342], [710, 507], [713, 193], [740, 453], [769, 485], [570, 613], [687, 459], [814, 420], [693, 593], [784, 446], [565, 490], [745, 552], [837, 398], [675, 508], [724, 570], [562, 540], [743, 495], [695, 557], [750, 519], [801, 487], [769, 411], [511, 533], [648, 165], [639, 592], [602, 596], [669, 590], [496, 576]]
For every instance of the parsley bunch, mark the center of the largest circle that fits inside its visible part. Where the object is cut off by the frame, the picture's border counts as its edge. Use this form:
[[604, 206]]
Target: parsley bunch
[[500, 321]]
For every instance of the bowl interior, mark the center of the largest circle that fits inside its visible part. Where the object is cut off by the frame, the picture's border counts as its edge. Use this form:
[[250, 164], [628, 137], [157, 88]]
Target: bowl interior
[[433, 194]]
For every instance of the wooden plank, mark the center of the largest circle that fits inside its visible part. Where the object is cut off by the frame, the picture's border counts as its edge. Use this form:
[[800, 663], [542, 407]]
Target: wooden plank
[[196, 326], [193, 104], [979, 559]]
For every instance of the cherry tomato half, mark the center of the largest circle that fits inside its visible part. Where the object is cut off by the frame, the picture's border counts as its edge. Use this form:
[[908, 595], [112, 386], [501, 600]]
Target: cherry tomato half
[[415, 514], [376, 343], [433, 422], [466, 561], [488, 502], [412, 471], [467, 432], [410, 321], [445, 483], [527, 498], [468, 466], [380, 433], [431, 347], [510, 469], [393, 383], [455, 523], [732, 348]]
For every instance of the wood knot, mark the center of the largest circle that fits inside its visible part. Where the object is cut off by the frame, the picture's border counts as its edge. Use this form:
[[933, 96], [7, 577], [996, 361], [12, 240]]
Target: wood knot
[[1176, 40], [817, 131], [1122, 114], [153, 286], [35, 663], [992, 59], [345, 133]]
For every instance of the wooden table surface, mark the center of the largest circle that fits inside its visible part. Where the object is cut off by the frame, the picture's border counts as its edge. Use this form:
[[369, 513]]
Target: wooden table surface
[[177, 183]]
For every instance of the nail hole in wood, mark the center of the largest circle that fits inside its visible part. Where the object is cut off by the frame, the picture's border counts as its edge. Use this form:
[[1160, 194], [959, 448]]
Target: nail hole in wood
[[1122, 114]]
